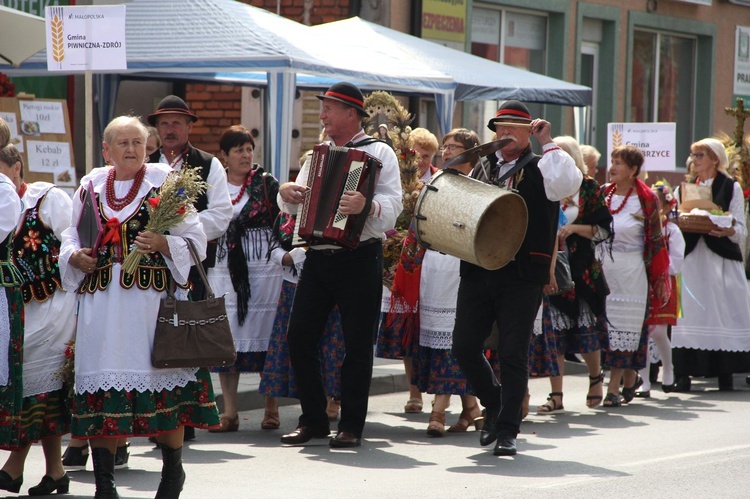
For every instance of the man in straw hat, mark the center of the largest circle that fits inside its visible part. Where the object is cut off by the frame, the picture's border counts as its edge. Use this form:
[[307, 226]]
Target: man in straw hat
[[351, 279], [511, 296]]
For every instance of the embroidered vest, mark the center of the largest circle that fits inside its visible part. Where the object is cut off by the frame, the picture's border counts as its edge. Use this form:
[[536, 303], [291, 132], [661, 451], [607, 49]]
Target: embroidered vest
[[9, 275], [36, 252], [152, 270], [721, 191]]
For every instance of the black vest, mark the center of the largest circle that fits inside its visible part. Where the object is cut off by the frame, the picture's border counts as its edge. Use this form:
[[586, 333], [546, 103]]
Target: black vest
[[721, 190], [535, 255], [193, 159]]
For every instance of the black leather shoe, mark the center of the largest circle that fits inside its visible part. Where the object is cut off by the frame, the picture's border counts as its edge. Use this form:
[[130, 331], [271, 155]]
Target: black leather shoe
[[75, 458], [489, 430], [303, 435], [682, 384], [726, 382], [189, 434], [668, 388], [645, 394], [122, 456], [505, 446], [344, 439], [47, 486], [10, 484]]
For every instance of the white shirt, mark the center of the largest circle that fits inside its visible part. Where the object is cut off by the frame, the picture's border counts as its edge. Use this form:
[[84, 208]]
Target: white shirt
[[215, 218], [562, 178], [10, 210], [387, 200]]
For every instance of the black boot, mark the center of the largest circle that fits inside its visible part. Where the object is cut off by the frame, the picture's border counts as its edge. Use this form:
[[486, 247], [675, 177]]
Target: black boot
[[104, 474], [172, 474]]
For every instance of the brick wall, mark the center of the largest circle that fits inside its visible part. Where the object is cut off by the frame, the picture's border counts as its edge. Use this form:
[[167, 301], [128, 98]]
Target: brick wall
[[219, 106]]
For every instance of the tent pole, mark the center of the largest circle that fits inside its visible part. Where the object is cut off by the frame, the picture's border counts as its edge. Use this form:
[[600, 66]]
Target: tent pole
[[89, 120]]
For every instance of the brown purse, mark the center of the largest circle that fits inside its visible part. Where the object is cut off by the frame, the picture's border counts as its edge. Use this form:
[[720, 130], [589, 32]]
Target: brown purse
[[193, 333]]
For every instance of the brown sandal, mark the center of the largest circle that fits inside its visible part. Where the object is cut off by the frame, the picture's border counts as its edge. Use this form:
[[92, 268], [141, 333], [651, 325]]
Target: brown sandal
[[334, 406], [466, 419], [413, 406], [270, 421], [436, 427], [227, 424]]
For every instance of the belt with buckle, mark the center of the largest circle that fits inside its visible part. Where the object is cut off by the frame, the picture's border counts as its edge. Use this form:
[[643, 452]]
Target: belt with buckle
[[335, 251]]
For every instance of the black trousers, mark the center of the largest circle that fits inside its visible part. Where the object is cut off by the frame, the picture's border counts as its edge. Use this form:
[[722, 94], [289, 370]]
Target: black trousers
[[485, 297], [353, 281]]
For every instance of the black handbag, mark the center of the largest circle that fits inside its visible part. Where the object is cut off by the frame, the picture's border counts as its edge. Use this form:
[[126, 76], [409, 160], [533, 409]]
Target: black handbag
[[193, 333], [562, 273]]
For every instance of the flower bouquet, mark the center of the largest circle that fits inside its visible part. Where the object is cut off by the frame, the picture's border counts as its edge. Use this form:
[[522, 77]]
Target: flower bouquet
[[169, 207]]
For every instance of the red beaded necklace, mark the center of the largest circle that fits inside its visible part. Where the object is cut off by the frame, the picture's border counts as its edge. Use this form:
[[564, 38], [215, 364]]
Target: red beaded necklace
[[243, 188], [609, 196], [116, 203], [22, 190]]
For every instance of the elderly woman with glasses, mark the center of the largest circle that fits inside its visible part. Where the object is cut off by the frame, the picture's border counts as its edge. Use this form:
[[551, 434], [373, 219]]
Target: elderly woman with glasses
[[712, 338]]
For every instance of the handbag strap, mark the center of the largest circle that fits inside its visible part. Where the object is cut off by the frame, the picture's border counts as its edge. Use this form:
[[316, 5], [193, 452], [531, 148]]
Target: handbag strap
[[201, 272]]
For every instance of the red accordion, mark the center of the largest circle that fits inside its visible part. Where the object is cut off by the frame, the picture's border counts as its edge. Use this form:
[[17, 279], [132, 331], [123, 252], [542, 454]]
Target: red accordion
[[334, 170]]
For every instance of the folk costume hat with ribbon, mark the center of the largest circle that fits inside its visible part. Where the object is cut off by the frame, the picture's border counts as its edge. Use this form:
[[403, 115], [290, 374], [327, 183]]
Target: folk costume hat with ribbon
[[171, 104], [511, 111], [348, 94]]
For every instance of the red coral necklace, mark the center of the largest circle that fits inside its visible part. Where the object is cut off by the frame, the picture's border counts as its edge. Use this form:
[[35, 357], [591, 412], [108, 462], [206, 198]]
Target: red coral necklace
[[241, 193], [116, 203], [611, 193]]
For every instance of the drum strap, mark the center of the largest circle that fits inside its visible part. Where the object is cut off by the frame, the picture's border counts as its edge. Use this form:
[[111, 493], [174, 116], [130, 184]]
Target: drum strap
[[523, 161]]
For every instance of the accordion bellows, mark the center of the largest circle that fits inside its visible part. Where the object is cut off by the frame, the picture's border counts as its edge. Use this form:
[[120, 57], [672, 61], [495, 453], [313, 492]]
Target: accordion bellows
[[334, 170]]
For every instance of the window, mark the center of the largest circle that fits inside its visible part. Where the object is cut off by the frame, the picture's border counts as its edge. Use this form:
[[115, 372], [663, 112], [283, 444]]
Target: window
[[514, 38], [663, 86]]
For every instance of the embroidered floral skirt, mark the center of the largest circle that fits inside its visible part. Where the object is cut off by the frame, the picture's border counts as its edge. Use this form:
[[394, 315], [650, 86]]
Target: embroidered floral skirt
[[246, 362], [436, 371], [120, 413], [44, 415], [542, 347], [11, 395], [390, 344], [277, 379]]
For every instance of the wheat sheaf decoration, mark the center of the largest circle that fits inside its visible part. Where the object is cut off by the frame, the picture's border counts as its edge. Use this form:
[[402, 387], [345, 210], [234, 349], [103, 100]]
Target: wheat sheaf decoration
[[616, 139], [58, 45]]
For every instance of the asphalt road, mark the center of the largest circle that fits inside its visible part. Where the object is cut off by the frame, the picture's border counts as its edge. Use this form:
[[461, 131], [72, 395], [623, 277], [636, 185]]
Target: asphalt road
[[669, 446]]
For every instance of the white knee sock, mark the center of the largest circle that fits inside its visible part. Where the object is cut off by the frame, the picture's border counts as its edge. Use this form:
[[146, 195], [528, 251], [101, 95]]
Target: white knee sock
[[664, 347]]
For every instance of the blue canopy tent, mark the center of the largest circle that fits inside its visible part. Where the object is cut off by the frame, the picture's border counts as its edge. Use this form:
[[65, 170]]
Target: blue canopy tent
[[198, 39]]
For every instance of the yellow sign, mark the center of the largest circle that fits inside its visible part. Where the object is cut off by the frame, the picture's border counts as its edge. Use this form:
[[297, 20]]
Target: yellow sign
[[444, 20]]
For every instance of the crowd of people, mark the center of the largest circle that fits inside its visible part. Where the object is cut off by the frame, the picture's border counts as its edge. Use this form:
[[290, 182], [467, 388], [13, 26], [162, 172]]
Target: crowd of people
[[310, 320]]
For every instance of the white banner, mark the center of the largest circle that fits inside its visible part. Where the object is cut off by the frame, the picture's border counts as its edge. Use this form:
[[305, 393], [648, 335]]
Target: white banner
[[86, 38], [47, 157], [655, 140], [742, 61]]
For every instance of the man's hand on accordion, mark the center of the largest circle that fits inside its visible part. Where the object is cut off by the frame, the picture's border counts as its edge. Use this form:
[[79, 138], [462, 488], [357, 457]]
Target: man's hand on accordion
[[292, 192], [352, 203]]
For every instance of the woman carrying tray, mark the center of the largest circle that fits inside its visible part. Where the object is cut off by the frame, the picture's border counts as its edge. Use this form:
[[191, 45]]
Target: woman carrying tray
[[712, 339]]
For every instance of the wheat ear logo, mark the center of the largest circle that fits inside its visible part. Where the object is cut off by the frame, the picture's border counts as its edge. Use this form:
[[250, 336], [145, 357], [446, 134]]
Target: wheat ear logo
[[617, 136], [58, 46]]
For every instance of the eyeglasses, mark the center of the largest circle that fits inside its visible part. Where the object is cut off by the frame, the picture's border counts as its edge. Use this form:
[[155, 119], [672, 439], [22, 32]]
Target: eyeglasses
[[697, 155], [451, 147]]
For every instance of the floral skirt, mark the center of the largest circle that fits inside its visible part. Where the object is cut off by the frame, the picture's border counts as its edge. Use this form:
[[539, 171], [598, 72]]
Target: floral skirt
[[11, 395], [44, 415], [583, 339], [277, 379], [121, 413], [436, 371], [543, 348], [390, 343], [624, 359], [246, 362]]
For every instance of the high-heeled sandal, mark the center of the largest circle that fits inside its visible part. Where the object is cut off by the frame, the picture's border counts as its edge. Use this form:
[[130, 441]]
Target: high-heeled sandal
[[466, 419], [595, 400], [628, 394], [271, 421], [551, 406], [227, 424], [436, 426]]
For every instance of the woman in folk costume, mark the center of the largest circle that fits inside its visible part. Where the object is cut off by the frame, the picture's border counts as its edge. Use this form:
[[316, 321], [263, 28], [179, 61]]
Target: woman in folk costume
[[712, 338], [427, 281], [248, 270], [636, 271], [118, 393], [660, 319], [578, 316], [49, 325], [11, 325]]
